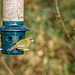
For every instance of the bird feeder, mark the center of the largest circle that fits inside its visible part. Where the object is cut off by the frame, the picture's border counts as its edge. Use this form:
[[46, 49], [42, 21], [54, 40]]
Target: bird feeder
[[13, 29]]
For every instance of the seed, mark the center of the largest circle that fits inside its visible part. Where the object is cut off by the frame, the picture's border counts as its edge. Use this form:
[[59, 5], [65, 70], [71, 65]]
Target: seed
[[13, 10]]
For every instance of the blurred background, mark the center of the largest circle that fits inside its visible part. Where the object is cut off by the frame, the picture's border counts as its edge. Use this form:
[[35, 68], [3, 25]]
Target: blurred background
[[52, 53]]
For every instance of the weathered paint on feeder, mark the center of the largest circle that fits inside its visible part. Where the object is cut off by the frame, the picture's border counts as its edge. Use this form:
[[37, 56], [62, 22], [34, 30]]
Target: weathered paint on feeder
[[13, 29], [9, 39]]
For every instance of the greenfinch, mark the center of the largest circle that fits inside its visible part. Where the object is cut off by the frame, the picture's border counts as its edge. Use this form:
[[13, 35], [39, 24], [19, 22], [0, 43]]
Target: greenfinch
[[22, 44]]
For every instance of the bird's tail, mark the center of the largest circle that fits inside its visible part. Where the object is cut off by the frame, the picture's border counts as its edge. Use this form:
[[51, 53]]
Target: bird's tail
[[10, 49]]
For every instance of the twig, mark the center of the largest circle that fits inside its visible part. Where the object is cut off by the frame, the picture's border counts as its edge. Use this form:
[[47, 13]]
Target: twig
[[62, 22], [6, 66]]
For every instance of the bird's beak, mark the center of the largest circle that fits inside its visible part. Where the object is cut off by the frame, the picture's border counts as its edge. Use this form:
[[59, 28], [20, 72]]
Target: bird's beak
[[32, 40]]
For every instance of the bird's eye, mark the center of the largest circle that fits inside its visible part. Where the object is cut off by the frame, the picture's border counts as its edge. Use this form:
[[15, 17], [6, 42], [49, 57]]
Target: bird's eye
[[30, 39]]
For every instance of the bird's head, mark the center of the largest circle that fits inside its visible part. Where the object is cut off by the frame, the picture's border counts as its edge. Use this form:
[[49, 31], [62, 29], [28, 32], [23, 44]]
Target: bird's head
[[30, 39]]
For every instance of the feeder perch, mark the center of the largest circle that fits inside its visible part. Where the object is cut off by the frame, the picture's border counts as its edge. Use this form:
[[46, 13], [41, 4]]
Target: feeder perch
[[13, 29]]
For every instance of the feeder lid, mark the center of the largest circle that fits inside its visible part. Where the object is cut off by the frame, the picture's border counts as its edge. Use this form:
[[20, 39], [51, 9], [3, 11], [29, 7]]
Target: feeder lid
[[13, 26]]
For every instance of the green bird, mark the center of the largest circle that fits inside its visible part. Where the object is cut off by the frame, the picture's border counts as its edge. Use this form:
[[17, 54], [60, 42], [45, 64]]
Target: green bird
[[22, 44]]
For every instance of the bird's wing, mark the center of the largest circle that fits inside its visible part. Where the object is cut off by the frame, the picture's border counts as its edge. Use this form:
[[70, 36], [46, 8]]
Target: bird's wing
[[21, 45]]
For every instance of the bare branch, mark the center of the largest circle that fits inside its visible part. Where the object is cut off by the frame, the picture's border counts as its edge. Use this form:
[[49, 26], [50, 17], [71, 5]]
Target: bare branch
[[6, 66], [62, 22]]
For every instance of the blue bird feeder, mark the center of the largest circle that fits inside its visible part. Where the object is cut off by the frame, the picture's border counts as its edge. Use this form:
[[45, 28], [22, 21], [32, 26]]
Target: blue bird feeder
[[13, 29]]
